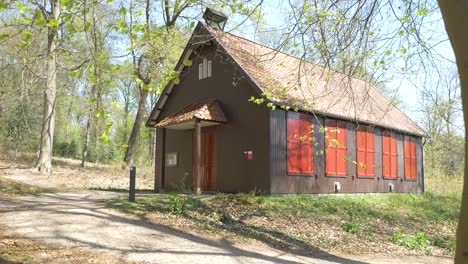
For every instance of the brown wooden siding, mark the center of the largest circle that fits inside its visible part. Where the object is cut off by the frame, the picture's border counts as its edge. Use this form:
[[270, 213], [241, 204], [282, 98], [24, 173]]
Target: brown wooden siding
[[247, 128], [281, 182]]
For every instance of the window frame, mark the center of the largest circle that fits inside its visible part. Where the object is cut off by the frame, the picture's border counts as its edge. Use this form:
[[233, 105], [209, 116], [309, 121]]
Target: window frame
[[300, 115], [335, 174], [367, 129]]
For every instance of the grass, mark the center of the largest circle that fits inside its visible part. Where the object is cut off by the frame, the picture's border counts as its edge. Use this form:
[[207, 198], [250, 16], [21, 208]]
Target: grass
[[395, 224], [444, 184], [10, 188]]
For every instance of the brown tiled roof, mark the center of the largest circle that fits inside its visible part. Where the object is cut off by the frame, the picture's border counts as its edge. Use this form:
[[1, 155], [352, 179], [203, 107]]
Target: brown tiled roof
[[208, 110], [287, 80]]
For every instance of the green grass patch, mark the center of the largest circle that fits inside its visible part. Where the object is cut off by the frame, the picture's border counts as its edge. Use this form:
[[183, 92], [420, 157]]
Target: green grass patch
[[13, 256], [423, 223], [10, 187]]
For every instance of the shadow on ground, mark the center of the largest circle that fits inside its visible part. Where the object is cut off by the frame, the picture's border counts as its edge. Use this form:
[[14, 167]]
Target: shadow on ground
[[74, 206]]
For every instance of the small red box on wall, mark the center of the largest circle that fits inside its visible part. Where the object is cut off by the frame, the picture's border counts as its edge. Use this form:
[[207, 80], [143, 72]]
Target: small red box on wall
[[249, 154]]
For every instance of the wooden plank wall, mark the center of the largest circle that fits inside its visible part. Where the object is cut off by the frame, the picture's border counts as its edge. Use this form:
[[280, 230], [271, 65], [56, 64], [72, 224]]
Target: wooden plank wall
[[281, 182]]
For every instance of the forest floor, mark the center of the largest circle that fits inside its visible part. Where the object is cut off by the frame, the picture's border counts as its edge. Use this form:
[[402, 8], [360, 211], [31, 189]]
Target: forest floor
[[40, 223]]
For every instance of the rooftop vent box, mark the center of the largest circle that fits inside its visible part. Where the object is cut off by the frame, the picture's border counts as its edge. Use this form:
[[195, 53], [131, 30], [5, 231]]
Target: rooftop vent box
[[214, 18]]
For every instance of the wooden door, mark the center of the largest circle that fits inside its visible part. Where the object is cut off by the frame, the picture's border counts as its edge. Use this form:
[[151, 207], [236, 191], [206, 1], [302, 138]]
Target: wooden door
[[208, 159]]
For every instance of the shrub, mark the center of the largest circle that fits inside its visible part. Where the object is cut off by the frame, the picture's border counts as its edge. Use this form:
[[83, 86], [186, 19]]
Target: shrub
[[417, 242], [177, 204], [354, 227]]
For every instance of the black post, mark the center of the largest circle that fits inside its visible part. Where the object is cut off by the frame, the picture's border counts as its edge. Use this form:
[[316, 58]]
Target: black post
[[131, 196]]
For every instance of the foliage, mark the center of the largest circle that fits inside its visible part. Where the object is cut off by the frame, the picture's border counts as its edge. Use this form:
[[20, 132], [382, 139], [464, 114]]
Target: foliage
[[354, 227], [177, 203], [418, 241]]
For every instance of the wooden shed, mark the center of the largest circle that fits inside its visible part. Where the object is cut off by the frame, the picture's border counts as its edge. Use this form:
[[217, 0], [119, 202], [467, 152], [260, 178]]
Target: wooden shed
[[344, 136]]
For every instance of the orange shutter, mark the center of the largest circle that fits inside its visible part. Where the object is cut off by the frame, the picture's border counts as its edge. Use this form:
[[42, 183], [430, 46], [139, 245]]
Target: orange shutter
[[366, 152], [386, 152], [300, 147], [414, 172], [390, 156], [307, 154], [336, 147], [361, 155], [370, 153], [394, 158], [410, 159]]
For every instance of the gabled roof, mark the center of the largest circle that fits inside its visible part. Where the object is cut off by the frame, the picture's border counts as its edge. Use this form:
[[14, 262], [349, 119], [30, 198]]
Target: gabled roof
[[287, 80], [208, 111]]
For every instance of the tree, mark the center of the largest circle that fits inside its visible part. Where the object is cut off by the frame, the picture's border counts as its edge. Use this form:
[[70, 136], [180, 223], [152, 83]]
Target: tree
[[51, 15], [455, 14]]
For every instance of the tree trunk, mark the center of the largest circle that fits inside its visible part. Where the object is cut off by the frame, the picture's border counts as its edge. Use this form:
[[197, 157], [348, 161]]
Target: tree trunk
[[455, 15], [84, 157], [133, 140], [44, 163]]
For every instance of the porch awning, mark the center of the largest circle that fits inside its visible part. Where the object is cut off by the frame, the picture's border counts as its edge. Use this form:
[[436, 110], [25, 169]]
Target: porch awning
[[209, 112]]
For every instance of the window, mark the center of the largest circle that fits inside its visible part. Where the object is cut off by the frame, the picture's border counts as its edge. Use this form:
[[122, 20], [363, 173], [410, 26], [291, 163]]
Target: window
[[300, 144], [204, 69], [365, 152], [336, 148], [410, 159], [390, 156]]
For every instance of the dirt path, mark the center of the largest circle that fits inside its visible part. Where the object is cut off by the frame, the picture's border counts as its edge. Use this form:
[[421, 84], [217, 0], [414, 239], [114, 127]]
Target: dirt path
[[80, 219]]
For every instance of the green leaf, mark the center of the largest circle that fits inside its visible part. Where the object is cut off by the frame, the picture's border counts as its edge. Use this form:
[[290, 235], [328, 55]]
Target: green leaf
[[87, 26], [401, 33], [123, 11], [3, 36], [53, 23], [187, 63], [39, 18], [422, 12], [22, 8], [105, 139], [26, 20], [74, 73], [177, 80], [27, 34], [103, 56], [3, 6]]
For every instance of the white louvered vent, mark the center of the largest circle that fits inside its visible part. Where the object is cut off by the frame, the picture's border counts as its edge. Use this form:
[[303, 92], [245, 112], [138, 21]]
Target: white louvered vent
[[204, 69]]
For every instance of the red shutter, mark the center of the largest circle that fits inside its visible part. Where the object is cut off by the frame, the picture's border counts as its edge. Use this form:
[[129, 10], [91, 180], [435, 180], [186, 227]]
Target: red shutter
[[341, 161], [294, 155], [336, 146], [390, 156], [361, 148], [300, 147], [414, 173], [408, 159], [370, 153], [366, 152], [394, 158], [387, 158], [330, 146], [307, 154]]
